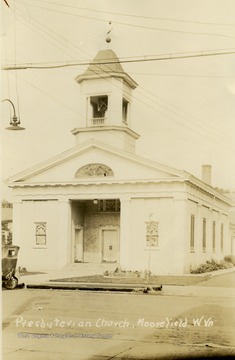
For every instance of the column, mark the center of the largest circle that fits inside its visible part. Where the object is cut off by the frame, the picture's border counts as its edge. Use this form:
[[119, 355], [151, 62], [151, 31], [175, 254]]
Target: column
[[125, 224], [64, 231]]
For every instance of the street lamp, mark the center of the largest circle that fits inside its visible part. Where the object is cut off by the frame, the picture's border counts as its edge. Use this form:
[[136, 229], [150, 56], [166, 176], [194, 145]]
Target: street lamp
[[14, 122]]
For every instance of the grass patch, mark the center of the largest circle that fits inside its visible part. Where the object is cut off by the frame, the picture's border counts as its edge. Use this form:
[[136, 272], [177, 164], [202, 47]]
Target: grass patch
[[154, 280]]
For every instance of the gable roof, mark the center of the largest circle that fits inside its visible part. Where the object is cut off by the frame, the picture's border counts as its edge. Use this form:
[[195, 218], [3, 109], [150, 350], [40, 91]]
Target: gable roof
[[25, 175]]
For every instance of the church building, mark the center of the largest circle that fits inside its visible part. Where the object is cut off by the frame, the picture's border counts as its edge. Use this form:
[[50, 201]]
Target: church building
[[100, 202]]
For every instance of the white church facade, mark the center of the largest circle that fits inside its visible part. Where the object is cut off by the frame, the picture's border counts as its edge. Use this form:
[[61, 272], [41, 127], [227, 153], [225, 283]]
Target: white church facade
[[99, 202]]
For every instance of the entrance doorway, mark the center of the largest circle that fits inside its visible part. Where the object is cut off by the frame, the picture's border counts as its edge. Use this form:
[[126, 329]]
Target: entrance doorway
[[110, 243], [95, 230]]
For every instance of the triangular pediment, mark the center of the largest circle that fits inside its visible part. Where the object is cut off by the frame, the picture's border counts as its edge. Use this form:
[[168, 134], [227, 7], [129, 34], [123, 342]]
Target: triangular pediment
[[95, 161]]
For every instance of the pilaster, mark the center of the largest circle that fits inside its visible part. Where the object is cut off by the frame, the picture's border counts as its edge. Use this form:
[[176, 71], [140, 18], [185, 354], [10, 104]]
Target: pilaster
[[64, 238], [125, 233], [181, 230]]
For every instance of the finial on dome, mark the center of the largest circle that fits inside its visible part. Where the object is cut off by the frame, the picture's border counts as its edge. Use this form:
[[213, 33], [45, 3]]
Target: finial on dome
[[108, 38]]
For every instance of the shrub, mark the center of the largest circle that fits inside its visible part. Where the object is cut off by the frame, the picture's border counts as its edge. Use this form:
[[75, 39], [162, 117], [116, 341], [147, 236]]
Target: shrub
[[212, 265], [230, 259], [118, 272]]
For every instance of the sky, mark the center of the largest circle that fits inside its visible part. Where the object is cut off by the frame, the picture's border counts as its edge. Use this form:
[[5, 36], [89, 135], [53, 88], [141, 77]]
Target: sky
[[184, 108]]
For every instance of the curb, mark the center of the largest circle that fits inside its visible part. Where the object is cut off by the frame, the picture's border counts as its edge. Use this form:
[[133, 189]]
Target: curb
[[96, 287], [218, 272], [167, 290]]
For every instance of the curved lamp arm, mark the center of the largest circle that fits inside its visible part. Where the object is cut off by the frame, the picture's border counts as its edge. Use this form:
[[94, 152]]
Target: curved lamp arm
[[14, 122]]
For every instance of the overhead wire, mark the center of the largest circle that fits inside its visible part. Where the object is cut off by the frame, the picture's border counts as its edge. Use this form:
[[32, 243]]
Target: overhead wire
[[106, 62], [141, 100], [157, 57], [170, 111], [210, 128], [127, 24], [173, 31], [170, 104], [43, 31], [15, 55], [178, 109], [134, 15], [49, 95], [17, 76], [177, 121], [182, 75], [7, 73], [163, 113], [197, 125], [123, 58]]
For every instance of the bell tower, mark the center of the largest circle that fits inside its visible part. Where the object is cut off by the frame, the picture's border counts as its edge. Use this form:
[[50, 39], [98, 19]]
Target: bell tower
[[106, 96]]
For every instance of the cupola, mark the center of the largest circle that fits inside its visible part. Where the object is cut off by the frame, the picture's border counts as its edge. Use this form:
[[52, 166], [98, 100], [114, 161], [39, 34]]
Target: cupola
[[106, 97]]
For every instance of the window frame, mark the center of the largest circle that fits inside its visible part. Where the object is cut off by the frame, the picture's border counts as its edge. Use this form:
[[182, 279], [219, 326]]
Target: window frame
[[125, 110], [151, 235], [37, 236], [104, 206]]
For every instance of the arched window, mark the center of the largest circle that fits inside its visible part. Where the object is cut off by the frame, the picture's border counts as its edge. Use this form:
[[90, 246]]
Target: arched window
[[94, 170]]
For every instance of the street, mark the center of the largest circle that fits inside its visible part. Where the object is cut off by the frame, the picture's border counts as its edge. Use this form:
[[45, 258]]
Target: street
[[58, 324]]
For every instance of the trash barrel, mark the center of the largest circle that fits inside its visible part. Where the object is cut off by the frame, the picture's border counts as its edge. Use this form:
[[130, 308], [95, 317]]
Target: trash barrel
[[9, 261]]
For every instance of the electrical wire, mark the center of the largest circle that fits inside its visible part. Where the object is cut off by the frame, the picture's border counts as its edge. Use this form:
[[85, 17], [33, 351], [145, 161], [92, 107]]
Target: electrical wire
[[173, 31], [120, 59], [141, 100], [45, 29], [136, 16], [8, 82], [171, 111], [44, 37], [50, 96], [40, 28], [146, 58], [132, 25], [177, 121], [15, 54], [151, 155], [153, 108], [182, 75], [163, 113], [107, 62], [197, 123], [164, 106]]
